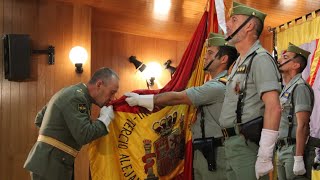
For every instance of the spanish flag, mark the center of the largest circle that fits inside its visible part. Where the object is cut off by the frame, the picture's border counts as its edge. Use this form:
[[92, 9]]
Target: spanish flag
[[157, 145]]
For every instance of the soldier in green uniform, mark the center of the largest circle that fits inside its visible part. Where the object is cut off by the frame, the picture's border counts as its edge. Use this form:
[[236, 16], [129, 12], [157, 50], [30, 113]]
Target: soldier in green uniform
[[208, 98], [65, 125], [297, 103], [251, 106]]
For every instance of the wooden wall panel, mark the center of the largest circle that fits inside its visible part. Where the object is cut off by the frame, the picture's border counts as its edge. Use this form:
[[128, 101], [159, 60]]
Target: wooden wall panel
[[266, 40], [112, 49], [62, 25]]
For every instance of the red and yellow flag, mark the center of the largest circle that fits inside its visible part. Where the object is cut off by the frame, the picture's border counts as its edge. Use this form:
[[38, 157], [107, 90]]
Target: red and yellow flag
[[153, 146]]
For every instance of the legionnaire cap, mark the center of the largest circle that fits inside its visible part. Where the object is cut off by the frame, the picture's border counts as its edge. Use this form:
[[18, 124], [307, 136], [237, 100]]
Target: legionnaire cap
[[215, 39], [242, 9], [297, 50]]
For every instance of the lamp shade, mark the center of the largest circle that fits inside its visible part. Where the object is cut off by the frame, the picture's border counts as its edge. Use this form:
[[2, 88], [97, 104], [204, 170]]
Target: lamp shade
[[78, 55]]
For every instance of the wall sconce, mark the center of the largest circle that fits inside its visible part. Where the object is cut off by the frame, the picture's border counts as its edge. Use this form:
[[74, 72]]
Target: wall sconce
[[137, 64], [150, 72], [78, 55], [167, 65]]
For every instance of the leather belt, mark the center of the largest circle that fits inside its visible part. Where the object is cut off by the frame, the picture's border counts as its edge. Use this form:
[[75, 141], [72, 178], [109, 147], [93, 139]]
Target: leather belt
[[218, 141], [228, 132], [314, 142], [58, 144], [286, 141]]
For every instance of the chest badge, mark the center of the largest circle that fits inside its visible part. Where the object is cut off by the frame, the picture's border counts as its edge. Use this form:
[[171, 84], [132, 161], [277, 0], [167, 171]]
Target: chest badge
[[82, 108], [242, 69], [286, 95]]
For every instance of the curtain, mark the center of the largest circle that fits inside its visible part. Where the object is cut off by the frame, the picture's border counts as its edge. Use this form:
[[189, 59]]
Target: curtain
[[307, 35]]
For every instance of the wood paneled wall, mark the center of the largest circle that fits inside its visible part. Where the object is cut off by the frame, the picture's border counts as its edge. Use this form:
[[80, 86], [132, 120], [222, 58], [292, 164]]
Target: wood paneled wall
[[62, 25], [112, 49], [65, 25]]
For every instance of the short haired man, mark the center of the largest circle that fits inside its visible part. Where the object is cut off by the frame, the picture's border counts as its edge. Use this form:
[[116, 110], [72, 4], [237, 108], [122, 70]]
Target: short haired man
[[297, 103], [251, 106], [65, 125], [208, 98]]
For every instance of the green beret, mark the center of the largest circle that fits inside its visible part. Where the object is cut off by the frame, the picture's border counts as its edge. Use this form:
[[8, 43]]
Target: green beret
[[295, 49], [215, 39], [242, 9]]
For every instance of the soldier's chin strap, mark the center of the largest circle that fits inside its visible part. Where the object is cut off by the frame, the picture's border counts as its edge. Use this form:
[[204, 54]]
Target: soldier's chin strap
[[239, 28], [280, 65], [207, 66]]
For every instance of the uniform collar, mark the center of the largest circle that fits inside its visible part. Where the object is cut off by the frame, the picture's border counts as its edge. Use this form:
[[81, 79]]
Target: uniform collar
[[253, 48], [85, 90], [220, 75], [292, 82]]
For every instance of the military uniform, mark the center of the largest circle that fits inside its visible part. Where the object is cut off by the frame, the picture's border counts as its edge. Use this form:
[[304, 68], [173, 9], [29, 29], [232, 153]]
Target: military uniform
[[65, 126], [210, 96], [263, 76], [303, 101]]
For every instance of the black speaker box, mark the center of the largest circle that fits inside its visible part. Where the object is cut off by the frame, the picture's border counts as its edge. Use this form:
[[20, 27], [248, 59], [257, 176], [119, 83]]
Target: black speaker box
[[17, 52]]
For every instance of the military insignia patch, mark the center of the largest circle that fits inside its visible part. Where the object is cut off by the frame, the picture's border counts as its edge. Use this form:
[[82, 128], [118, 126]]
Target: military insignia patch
[[82, 108], [242, 69], [286, 95]]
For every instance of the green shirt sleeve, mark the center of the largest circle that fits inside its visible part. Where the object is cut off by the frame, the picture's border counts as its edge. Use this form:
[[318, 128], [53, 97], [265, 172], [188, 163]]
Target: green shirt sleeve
[[303, 99], [265, 74], [209, 93], [39, 117]]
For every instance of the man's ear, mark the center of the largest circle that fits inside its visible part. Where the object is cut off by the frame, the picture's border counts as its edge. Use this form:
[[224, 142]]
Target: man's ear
[[224, 59], [99, 83], [296, 65], [250, 26]]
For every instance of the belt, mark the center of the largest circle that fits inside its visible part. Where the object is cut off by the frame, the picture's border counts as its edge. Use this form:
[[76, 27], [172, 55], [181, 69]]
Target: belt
[[228, 132], [218, 141], [58, 144], [314, 142], [287, 141]]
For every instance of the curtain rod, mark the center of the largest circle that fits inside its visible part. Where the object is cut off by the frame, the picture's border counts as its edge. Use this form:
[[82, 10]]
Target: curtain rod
[[273, 29]]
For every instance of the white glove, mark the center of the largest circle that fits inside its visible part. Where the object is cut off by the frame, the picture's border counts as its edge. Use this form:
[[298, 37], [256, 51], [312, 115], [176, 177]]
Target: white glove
[[298, 166], [135, 99], [264, 161], [106, 115]]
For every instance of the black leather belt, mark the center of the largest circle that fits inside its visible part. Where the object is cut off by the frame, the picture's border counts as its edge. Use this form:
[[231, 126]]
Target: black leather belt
[[218, 141], [314, 142], [228, 132], [286, 141]]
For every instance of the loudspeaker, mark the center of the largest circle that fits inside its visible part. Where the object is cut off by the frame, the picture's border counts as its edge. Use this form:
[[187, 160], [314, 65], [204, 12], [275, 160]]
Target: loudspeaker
[[17, 52]]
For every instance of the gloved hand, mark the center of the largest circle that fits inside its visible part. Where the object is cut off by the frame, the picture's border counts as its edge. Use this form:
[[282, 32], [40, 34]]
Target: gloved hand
[[106, 115], [135, 99], [316, 158], [298, 166], [264, 161]]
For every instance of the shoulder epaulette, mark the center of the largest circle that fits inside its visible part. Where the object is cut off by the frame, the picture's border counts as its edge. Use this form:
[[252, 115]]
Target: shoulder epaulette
[[224, 79]]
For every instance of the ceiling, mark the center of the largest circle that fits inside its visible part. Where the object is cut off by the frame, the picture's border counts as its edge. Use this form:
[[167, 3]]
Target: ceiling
[[137, 16]]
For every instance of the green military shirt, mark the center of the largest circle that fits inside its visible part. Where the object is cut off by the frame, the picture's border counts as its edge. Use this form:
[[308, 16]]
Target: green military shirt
[[210, 96], [303, 101], [263, 77], [65, 118]]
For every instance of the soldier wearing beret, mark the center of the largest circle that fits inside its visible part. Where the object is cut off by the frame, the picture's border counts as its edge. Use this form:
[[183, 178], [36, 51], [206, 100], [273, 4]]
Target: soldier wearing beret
[[65, 125], [209, 159], [297, 103], [250, 115]]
